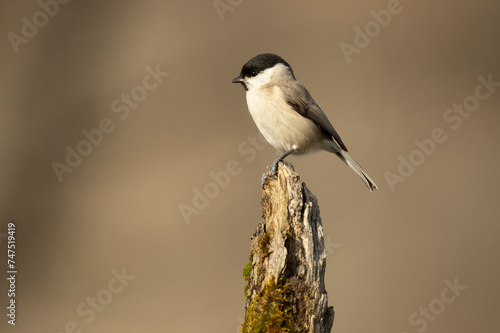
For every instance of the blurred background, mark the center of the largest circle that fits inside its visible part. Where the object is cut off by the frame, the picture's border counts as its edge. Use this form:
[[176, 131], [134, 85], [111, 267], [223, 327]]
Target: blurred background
[[129, 231]]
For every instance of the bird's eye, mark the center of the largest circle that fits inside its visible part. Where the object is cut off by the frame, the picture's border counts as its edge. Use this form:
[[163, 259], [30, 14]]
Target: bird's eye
[[253, 73]]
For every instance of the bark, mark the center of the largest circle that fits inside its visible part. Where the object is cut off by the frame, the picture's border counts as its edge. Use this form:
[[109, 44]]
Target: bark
[[285, 275]]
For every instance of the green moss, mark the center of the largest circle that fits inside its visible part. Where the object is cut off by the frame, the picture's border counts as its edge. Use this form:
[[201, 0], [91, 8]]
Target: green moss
[[270, 310], [247, 270], [264, 243], [245, 291]]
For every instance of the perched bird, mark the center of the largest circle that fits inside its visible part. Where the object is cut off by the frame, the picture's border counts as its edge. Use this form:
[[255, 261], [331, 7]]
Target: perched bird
[[287, 116]]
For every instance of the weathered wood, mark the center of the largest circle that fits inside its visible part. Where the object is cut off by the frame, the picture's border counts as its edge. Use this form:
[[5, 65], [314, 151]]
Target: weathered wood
[[285, 275]]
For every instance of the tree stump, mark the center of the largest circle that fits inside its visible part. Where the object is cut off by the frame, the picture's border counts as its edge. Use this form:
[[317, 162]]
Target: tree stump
[[285, 275]]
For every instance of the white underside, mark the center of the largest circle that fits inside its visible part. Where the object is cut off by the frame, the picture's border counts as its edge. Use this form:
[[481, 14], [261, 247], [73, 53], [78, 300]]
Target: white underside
[[283, 127]]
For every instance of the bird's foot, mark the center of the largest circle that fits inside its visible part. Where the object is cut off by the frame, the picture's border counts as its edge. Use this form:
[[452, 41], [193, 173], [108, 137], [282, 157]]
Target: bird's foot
[[274, 170]]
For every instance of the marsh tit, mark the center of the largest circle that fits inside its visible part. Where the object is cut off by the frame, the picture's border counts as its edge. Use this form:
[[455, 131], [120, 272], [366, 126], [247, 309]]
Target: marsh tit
[[287, 116]]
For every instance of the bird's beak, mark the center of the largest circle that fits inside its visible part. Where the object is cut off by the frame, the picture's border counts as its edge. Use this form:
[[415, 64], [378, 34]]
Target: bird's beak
[[237, 80]]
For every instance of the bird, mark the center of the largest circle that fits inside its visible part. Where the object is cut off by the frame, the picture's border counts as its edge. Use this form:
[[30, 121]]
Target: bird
[[287, 116]]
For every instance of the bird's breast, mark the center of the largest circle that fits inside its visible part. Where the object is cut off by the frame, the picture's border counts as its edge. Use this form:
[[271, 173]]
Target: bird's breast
[[283, 127]]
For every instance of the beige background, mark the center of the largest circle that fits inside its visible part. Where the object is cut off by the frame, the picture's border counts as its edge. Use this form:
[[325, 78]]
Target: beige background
[[389, 251]]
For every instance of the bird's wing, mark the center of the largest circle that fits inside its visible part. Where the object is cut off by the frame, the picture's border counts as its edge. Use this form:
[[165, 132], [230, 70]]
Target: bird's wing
[[300, 100]]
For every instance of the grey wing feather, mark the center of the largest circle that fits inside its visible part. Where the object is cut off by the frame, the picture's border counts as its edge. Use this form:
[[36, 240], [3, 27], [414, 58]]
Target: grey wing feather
[[301, 101]]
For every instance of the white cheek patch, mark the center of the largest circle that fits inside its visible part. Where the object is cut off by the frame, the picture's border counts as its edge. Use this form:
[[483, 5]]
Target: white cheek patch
[[260, 80], [266, 76]]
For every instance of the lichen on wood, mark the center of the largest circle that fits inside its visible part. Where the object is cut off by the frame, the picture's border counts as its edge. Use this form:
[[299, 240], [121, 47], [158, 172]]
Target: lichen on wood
[[285, 289]]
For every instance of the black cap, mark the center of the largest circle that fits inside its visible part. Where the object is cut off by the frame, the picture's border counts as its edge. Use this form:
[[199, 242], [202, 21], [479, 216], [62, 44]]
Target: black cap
[[262, 62]]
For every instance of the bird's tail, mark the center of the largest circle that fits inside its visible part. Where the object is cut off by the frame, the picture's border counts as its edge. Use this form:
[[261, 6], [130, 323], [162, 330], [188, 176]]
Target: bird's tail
[[344, 156]]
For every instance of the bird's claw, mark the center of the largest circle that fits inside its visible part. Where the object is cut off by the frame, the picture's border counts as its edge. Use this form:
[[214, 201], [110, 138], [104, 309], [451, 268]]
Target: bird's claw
[[274, 170]]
